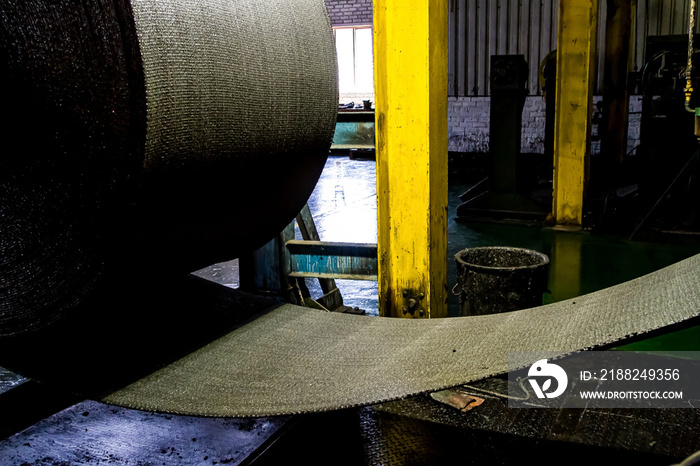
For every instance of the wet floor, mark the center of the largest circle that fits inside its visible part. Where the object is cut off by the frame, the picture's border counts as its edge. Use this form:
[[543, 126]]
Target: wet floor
[[344, 209], [94, 433], [9, 380]]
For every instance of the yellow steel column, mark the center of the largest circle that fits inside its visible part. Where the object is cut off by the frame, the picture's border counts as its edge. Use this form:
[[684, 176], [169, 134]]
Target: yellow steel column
[[565, 267], [410, 56], [575, 60]]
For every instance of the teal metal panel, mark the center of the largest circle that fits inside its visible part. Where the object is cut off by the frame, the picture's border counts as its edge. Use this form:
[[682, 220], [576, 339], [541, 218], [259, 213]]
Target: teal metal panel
[[353, 135], [317, 259]]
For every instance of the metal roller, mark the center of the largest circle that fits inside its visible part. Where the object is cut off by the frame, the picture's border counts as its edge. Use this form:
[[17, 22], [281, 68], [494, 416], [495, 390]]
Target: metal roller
[[150, 136]]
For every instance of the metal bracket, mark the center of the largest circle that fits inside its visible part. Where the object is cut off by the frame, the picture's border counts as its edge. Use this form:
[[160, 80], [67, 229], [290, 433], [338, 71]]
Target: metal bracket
[[413, 304]]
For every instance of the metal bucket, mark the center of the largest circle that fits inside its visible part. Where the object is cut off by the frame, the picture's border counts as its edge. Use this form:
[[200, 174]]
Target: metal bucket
[[500, 279]]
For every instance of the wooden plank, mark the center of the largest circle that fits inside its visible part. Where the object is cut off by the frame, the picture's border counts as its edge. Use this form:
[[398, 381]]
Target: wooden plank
[[366, 250], [575, 57], [308, 230], [333, 267], [355, 116], [411, 76], [352, 146], [332, 300], [318, 259], [335, 276]]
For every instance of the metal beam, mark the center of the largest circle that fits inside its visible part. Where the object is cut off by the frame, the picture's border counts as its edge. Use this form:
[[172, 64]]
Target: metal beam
[[575, 64], [410, 50]]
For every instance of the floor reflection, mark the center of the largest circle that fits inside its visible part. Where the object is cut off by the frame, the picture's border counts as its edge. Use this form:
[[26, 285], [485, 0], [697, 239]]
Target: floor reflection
[[344, 209]]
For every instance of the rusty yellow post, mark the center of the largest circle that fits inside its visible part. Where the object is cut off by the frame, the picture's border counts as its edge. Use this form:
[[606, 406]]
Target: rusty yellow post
[[410, 53], [575, 61]]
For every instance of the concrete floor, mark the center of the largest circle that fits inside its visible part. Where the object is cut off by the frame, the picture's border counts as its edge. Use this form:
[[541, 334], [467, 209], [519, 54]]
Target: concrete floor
[[344, 209], [95, 433]]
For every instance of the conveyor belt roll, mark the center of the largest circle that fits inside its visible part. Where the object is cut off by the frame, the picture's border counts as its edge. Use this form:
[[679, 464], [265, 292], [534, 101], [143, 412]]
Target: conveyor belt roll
[[152, 137]]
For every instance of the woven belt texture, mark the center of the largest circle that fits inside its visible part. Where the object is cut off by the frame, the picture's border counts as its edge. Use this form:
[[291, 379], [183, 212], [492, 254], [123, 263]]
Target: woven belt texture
[[296, 360]]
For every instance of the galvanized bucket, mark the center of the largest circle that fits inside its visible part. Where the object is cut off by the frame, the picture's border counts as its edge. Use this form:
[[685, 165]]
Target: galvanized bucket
[[500, 279]]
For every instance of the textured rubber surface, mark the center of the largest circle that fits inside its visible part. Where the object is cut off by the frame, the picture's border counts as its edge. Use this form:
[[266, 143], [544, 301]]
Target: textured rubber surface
[[242, 100], [294, 360], [243, 78], [72, 142], [150, 135]]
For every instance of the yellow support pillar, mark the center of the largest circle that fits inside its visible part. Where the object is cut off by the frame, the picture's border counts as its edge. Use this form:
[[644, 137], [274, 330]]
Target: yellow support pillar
[[576, 45], [410, 56], [565, 267]]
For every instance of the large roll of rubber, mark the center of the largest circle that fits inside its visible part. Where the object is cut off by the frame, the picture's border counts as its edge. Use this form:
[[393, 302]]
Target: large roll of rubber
[[149, 138], [152, 134]]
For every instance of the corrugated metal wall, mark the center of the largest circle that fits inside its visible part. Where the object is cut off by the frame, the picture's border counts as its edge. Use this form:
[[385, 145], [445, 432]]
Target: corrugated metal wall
[[659, 18], [481, 28]]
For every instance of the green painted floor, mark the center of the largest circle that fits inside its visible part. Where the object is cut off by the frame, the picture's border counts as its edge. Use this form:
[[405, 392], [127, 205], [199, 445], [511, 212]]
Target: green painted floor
[[344, 209]]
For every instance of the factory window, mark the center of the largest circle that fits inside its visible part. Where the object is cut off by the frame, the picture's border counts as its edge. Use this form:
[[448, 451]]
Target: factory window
[[355, 63]]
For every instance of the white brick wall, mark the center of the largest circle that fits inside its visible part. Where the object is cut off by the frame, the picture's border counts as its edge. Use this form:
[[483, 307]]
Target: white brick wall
[[633, 134], [349, 12], [532, 135], [468, 123]]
